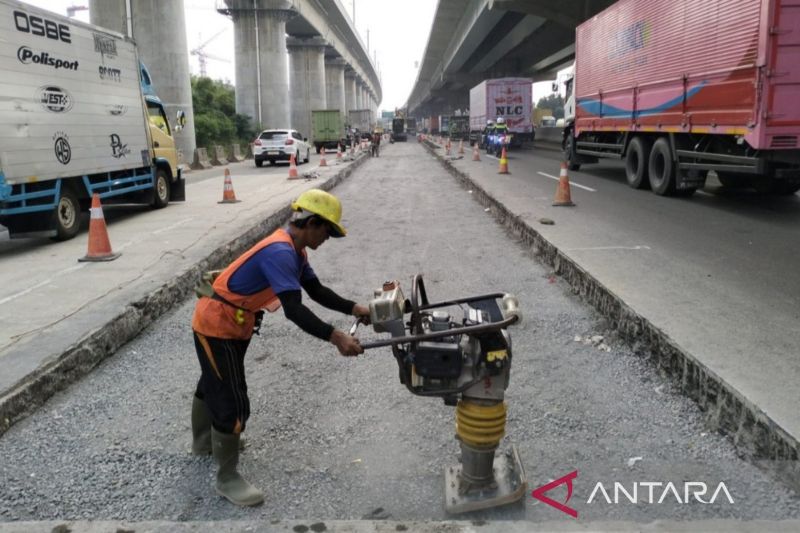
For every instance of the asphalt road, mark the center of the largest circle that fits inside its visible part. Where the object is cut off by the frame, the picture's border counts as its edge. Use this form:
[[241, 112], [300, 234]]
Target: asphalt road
[[339, 438]]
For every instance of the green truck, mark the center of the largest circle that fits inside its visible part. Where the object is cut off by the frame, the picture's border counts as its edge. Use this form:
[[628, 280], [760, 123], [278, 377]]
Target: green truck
[[327, 129]]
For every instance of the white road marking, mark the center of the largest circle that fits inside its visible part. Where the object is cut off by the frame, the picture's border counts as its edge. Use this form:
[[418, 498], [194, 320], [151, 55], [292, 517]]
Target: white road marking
[[175, 225], [48, 281], [593, 248], [570, 182]]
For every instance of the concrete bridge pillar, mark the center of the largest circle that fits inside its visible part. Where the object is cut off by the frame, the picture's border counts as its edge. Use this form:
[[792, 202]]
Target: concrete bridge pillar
[[349, 90], [262, 82], [335, 84], [307, 80], [162, 48], [360, 95]]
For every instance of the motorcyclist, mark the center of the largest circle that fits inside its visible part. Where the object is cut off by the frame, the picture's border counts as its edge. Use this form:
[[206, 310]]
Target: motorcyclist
[[488, 130]]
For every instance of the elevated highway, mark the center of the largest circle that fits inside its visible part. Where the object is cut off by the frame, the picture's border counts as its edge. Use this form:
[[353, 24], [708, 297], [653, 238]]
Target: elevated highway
[[492, 39], [328, 65]]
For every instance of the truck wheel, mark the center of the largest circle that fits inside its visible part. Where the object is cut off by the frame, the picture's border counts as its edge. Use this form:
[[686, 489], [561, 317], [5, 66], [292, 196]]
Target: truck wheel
[[67, 216], [259, 162], [308, 156], [161, 189], [661, 168], [318, 149], [636, 162], [569, 153]]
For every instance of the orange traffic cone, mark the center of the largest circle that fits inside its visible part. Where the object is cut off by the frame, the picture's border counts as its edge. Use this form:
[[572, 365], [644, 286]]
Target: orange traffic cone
[[228, 196], [99, 245], [503, 162], [461, 147], [292, 169], [562, 193], [339, 151], [476, 155], [322, 161]]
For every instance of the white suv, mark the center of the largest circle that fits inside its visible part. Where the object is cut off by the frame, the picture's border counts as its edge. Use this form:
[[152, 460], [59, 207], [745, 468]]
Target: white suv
[[279, 145]]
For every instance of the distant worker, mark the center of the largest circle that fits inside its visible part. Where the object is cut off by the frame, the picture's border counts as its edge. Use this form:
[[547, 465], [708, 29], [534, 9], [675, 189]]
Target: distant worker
[[376, 144], [268, 276]]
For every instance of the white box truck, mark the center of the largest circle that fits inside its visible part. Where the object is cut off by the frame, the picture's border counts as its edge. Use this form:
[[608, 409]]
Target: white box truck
[[78, 116], [509, 98]]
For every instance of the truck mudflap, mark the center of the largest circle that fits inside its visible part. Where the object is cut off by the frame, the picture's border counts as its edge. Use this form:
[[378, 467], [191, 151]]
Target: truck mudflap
[[177, 190]]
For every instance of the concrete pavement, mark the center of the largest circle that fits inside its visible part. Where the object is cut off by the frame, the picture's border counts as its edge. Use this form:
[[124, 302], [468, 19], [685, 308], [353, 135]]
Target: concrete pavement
[[392, 526], [725, 338], [60, 318]]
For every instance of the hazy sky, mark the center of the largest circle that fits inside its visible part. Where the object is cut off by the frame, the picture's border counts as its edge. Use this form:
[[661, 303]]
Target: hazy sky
[[398, 33]]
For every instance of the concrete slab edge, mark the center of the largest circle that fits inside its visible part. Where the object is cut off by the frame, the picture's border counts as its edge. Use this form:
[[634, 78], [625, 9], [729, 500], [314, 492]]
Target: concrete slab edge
[[756, 436], [393, 526], [78, 360]]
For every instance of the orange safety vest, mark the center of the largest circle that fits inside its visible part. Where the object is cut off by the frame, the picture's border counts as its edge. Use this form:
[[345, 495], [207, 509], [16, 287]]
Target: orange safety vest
[[214, 318]]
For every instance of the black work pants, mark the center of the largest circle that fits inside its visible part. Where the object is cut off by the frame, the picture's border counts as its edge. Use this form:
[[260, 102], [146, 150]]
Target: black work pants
[[222, 384]]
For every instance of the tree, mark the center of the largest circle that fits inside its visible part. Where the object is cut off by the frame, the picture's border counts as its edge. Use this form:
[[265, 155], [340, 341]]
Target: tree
[[554, 102], [215, 117]]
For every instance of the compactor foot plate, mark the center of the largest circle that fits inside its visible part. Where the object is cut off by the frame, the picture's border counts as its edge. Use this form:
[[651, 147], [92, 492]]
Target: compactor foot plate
[[510, 485]]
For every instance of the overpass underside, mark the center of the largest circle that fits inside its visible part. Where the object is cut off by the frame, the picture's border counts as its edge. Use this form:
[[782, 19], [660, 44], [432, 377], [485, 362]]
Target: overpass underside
[[493, 39]]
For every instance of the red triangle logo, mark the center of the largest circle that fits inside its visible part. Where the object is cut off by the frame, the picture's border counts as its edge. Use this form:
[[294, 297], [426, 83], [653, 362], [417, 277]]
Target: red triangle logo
[[539, 494]]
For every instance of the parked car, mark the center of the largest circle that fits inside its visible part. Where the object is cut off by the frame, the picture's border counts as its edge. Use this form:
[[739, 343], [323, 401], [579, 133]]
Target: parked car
[[280, 145]]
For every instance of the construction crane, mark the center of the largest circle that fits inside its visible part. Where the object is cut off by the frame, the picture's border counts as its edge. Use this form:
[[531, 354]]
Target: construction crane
[[72, 9], [203, 56]]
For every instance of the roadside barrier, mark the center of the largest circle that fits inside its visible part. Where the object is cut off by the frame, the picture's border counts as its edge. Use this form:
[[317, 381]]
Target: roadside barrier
[[236, 153], [293, 169], [563, 197], [200, 161], [219, 156], [503, 162], [228, 196], [99, 248]]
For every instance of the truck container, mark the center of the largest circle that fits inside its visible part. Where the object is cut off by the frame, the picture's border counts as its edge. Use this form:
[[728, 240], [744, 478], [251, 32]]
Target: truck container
[[361, 120], [79, 118], [458, 127], [327, 129], [509, 98], [434, 127], [411, 126], [399, 129], [444, 124], [679, 89]]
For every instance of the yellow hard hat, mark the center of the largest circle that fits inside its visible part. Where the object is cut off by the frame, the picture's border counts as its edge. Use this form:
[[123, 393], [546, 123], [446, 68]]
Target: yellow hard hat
[[325, 205]]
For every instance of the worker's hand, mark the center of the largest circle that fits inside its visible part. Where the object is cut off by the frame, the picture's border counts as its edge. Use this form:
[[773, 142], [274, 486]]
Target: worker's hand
[[346, 344], [362, 312]]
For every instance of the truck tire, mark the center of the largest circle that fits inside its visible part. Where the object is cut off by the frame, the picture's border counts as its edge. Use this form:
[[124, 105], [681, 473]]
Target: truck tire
[[318, 148], [161, 189], [259, 162], [636, 163], [67, 216], [308, 156], [661, 168], [569, 152]]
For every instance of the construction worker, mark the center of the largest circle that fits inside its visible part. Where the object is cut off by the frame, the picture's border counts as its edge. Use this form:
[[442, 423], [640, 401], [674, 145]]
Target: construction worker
[[376, 144], [268, 276]]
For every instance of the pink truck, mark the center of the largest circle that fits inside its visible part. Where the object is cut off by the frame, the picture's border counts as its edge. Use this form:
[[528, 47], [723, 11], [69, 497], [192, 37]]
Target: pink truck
[[680, 88], [509, 98]]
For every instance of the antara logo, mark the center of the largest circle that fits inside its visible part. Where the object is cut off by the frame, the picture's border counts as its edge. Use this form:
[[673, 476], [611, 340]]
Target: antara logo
[[641, 492]]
